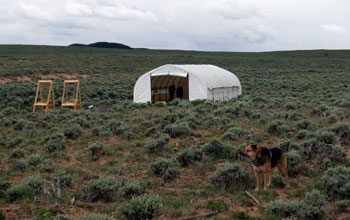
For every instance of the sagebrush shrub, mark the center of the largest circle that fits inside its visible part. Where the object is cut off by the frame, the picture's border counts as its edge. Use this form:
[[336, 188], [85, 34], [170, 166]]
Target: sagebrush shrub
[[293, 162], [53, 146], [73, 131], [95, 148], [277, 127], [235, 134], [188, 156], [286, 145], [18, 153], [116, 127], [141, 207], [335, 182], [313, 206], [101, 189], [323, 151], [157, 145], [178, 129], [230, 174], [62, 217], [62, 178], [131, 189], [305, 125], [326, 137], [170, 174], [282, 208], [18, 165], [342, 130], [4, 185], [19, 192], [216, 149], [159, 167], [35, 160], [36, 183]]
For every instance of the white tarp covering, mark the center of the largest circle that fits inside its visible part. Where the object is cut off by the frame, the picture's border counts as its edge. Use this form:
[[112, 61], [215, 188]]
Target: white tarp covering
[[204, 82]]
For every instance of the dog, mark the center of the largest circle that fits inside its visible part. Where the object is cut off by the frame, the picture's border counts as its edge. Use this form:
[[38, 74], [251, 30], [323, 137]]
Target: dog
[[264, 160]]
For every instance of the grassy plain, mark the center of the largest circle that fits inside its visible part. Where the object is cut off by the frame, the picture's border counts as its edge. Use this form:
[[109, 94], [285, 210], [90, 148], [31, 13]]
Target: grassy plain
[[118, 151]]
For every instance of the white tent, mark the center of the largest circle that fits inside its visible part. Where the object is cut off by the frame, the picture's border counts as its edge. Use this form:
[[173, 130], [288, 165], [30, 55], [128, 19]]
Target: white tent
[[197, 81]]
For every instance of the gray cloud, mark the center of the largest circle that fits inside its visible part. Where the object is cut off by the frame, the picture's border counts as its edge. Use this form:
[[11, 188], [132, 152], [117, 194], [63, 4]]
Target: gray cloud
[[229, 25]]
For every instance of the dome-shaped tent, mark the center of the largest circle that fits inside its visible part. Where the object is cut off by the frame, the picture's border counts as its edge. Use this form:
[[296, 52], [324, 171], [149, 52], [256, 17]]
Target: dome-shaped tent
[[197, 82]]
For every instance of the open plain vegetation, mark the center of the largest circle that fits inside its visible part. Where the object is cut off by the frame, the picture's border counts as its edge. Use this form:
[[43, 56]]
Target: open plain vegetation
[[121, 160]]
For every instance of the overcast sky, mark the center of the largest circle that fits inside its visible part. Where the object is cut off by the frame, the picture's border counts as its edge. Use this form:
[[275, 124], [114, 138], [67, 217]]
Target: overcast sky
[[210, 25]]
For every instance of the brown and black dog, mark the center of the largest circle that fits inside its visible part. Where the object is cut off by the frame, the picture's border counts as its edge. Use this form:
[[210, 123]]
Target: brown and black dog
[[264, 160]]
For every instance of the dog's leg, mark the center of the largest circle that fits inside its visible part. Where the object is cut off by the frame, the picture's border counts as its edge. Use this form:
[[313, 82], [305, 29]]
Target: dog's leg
[[282, 167], [285, 173], [270, 178], [267, 177], [257, 180]]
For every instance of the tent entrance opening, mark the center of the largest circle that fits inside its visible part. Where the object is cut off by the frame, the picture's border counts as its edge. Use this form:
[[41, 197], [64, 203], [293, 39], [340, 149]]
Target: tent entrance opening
[[167, 87]]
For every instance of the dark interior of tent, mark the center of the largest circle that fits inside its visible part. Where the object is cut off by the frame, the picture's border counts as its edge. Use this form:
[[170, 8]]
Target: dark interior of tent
[[167, 87]]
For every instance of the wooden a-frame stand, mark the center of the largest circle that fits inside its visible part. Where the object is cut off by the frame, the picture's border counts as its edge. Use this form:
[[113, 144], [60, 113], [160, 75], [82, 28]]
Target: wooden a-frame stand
[[49, 102], [75, 103]]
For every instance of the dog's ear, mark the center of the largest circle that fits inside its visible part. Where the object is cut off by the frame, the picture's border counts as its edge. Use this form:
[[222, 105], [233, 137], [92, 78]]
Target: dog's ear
[[254, 146]]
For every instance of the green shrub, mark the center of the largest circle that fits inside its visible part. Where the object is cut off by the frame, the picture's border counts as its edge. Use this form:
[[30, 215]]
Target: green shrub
[[116, 127], [343, 205], [73, 131], [323, 151], [236, 134], [335, 183], [342, 130], [53, 146], [141, 207], [277, 127], [286, 145], [170, 174], [313, 206], [36, 183], [305, 125], [63, 217], [188, 156], [4, 185], [131, 189], [159, 167], [101, 189], [35, 160], [216, 149], [293, 162], [157, 145], [95, 149], [20, 125], [178, 130], [18, 153], [295, 116], [18, 165], [19, 192], [95, 217], [230, 174], [55, 142], [302, 134], [14, 142], [165, 168], [62, 178], [282, 208], [326, 137]]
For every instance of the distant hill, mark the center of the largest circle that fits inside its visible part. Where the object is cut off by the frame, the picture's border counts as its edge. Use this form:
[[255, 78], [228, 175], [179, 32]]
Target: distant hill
[[103, 45]]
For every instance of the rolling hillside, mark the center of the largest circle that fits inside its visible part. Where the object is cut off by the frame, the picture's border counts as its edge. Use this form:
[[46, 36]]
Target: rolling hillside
[[182, 160]]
